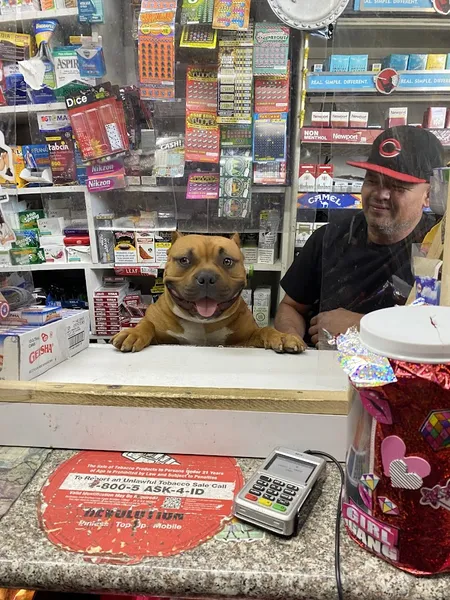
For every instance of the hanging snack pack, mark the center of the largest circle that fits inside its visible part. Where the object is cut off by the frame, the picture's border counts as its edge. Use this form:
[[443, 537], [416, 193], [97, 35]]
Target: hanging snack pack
[[397, 492], [156, 49], [235, 183], [98, 124]]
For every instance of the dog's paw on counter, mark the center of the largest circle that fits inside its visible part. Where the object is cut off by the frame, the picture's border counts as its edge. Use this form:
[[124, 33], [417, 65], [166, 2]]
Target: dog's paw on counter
[[271, 339], [131, 340]]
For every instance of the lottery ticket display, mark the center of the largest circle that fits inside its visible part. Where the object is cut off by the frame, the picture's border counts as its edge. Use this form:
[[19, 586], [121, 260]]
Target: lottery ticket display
[[237, 96]]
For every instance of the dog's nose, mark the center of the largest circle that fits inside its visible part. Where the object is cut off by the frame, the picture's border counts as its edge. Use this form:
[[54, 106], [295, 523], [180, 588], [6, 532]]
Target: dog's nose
[[206, 278]]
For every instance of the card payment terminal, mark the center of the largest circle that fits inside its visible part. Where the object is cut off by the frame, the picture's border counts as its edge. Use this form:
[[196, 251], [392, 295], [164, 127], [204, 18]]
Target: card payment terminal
[[275, 494]]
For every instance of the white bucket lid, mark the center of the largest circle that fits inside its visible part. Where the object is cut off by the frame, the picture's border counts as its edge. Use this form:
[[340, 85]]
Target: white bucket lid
[[417, 334]]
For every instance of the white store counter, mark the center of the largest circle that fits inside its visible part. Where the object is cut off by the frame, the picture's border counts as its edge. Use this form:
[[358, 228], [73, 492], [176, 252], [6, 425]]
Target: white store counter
[[181, 399]]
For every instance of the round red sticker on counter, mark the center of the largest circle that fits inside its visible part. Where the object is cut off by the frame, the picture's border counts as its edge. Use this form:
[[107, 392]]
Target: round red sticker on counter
[[128, 506]]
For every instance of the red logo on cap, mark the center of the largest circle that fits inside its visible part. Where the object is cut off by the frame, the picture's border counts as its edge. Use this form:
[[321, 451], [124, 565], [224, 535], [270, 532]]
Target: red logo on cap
[[390, 148], [441, 6], [387, 80]]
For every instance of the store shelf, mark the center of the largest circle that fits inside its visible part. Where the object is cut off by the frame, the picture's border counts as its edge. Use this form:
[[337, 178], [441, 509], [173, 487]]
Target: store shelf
[[364, 83], [23, 109], [394, 23], [31, 15], [391, 99], [44, 267], [356, 137], [265, 268], [57, 189]]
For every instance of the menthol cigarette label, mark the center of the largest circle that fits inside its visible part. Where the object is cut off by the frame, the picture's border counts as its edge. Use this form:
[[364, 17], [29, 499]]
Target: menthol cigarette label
[[109, 506]]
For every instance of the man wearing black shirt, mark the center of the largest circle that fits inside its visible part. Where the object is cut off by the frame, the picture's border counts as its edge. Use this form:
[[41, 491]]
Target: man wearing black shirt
[[363, 263]]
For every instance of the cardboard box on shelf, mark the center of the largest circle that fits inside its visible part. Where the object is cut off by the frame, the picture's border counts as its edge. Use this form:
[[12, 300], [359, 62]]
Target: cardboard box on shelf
[[145, 247], [358, 62], [51, 226], [417, 62], [359, 120], [79, 254], [339, 119], [324, 178], [320, 119], [303, 232], [397, 116], [261, 305], [27, 352], [307, 178], [125, 247], [436, 62], [55, 253], [435, 117]]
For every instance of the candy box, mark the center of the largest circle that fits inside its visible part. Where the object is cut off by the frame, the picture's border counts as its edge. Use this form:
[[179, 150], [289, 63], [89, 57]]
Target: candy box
[[27, 352], [40, 315]]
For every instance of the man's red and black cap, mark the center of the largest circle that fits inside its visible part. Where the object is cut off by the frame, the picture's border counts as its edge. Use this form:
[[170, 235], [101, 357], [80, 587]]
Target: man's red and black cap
[[405, 153]]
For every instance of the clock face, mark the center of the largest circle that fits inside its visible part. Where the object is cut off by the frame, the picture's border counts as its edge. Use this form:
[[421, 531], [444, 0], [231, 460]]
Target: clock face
[[308, 14]]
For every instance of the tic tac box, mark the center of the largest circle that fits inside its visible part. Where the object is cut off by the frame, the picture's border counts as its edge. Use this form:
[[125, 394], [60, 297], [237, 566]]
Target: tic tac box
[[27, 352]]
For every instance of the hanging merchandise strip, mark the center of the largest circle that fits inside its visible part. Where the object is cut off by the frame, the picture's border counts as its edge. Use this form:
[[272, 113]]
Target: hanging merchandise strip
[[235, 183], [236, 78], [156, 49], [202, 130]]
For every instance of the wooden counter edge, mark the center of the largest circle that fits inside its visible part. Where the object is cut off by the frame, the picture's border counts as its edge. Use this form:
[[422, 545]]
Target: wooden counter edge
[[260, 400]]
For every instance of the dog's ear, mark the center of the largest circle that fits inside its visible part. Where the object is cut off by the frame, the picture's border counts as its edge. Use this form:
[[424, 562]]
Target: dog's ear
[[236, 239], [175, 236]]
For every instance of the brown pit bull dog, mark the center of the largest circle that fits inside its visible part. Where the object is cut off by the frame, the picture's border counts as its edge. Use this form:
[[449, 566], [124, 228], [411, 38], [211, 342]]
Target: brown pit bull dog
[[202, 303]]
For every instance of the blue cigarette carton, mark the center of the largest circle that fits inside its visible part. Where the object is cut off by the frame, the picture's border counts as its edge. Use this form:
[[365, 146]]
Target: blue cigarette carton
[[338, 63], [358, 62], [417, 62], [399, 62]]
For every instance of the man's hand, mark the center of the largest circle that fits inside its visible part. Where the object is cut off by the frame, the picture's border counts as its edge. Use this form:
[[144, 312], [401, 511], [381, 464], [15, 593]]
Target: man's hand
[[335, 322]]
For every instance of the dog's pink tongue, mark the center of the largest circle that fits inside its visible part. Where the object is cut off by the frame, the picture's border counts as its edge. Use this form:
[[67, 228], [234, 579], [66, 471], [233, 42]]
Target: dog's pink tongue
[[206, 307]]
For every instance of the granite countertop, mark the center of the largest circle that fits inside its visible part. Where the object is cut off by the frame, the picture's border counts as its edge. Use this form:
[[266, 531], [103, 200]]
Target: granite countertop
[[263, 566]]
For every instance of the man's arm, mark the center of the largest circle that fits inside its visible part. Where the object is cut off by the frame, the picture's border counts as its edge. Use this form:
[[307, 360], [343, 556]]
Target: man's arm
[[290, 317]]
